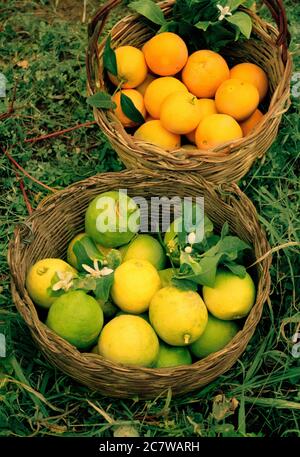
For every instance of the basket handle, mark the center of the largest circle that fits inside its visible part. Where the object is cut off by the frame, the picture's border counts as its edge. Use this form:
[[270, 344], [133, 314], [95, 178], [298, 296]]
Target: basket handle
[[278, 12], [276, 8]]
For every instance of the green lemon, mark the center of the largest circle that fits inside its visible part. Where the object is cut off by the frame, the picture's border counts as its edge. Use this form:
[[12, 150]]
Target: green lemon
[[135, 283], [129, 340], [71, 257], [112, 219], [231, 297], [215, 337], [178, 316], [40, 277], [172, 356], [76, 317], [145, 247]]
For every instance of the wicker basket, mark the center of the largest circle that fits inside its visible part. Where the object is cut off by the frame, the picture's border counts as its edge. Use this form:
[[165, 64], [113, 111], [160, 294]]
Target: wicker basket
[[227, 163], [47, 232]]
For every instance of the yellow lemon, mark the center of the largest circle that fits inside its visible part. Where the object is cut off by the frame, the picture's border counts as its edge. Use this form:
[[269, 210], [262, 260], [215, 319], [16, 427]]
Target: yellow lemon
[[178, 316], [216, 335], [135, 283], [129, 340], [231, 297], [40, 278], [145, 247]]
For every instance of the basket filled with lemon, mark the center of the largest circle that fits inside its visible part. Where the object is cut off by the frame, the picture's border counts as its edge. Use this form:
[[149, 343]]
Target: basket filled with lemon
[[139, 291], [198, 85]]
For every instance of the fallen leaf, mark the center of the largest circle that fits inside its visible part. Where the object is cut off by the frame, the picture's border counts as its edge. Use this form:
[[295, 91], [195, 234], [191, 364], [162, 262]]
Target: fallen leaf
[[23, 64]]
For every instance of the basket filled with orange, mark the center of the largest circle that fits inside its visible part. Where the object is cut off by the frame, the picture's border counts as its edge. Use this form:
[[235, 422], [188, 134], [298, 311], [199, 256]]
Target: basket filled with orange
[[190, 86]]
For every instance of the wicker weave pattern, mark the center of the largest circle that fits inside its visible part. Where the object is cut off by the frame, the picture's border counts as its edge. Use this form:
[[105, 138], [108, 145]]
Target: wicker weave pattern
[[59, 217], [227, 163]]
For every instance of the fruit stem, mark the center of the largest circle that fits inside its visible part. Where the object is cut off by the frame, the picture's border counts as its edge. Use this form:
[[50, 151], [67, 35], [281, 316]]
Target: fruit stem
[[186, 338]]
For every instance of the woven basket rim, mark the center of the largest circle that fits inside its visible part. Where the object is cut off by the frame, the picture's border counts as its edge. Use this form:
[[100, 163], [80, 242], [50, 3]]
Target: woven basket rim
[[135, 152], [47, 338]]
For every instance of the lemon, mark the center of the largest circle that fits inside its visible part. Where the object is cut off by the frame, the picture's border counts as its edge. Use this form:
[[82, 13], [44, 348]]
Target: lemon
[[216, 335], [112, 219], [145, 247], [40, 278], [231, 297], [135, 283], [166, 276], [172, 356], [76, 317], [129, 340], [178, 316], [71, 257]]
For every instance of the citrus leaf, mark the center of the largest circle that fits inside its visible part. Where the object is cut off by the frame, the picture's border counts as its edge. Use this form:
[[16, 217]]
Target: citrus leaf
[[130, 110], [86, 251], [242, 21], [150, 10], [225, 230], [203, 25], [103, 286], [101, 100], [109, 58], [238, 270], [87, 283], [184, 284], [114, 259]]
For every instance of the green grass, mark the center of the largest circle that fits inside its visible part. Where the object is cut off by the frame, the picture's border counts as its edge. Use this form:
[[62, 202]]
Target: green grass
[[35, 398]]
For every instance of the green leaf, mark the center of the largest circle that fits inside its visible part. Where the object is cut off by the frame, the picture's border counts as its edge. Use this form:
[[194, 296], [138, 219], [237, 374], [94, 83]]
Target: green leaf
[[149, 10], [234, 4], [225, 230], [87, 283], [130, 110], [242, 21], [101, 100], [184, 284], [114, 259], [232, 244], [209, 269], [109, 58], [203, 25], [103, 286], [238, 270], [86, 251]]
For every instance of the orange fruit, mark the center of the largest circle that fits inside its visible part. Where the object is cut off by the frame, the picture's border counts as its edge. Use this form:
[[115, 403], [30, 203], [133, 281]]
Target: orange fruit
[[207, 106], [158, 91], [180, 112], [131, 67], [153, 132], [253, 74], [142, 87], [137, 100], [237, 98], [217, 129], [248, 125], [165, 53], [204, 72]]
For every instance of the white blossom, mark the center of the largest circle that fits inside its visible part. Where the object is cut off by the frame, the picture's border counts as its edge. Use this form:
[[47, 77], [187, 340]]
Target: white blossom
[[188, 249], [191, 238], [65, 281], [96, 272], [224, 11]]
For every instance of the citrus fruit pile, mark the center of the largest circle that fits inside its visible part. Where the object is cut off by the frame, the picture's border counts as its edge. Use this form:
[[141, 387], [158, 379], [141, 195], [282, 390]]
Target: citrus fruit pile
[[120, 294], [186, 99]]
